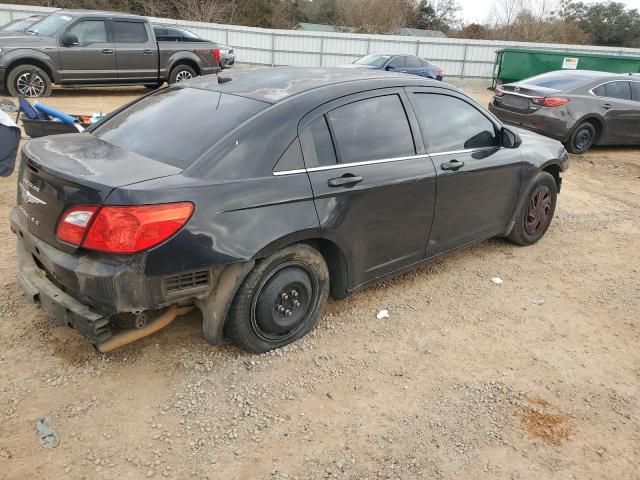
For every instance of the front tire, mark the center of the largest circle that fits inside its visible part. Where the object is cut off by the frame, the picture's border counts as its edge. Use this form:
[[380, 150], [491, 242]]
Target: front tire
[[28, 81], [582, 138], [535, 215], [180, 73], [280, 301]]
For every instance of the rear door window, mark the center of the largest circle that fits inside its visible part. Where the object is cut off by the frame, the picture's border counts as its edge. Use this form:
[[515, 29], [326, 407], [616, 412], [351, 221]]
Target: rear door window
[[130, 32], [450, 124], [397, 62], [317, 144], [371, 129], [177, 125], [619, 90]]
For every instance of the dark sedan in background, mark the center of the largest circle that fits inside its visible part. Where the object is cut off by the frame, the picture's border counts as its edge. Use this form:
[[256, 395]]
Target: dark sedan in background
[[580, 108], [255, 198], [401, 63]]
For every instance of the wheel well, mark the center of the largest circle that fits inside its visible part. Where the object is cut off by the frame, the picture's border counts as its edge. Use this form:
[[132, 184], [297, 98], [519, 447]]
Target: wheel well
[[188, 62], [336, 262], [32, 61], [554, 170], [597, 125]]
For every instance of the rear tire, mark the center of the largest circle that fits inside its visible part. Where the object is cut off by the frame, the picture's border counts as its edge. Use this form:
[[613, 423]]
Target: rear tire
[[582, 138], [280, 301], [535, 215], [180, 73], [28, 81]]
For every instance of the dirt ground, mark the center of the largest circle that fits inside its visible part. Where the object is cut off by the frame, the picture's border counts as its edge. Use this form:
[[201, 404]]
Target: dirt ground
[[536, 378]]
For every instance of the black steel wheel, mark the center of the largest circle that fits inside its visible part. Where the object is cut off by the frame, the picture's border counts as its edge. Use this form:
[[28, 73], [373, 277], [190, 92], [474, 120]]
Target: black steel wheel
[[280, 301], [582, 138], [536, 211], [28, 81]]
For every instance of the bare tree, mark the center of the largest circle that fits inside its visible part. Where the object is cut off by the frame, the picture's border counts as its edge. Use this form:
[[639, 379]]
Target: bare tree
[[373, 16]]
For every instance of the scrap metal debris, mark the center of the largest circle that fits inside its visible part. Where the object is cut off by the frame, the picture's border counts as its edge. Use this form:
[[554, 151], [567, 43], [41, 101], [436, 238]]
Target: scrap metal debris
[[47, 437]]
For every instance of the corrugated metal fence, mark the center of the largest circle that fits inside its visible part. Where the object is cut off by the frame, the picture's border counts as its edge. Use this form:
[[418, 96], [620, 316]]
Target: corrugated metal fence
[[260, 46]]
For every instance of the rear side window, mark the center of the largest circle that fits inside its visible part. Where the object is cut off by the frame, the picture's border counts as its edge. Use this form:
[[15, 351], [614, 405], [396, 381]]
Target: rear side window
[[371, 129], [636, 91], [90, 31], [177, 125], [130, 32], [451, 124], [317, 144], [397, 62], [620, 90]]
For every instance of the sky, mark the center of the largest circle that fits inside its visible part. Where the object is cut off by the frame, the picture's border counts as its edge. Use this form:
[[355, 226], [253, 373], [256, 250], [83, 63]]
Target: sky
[[478, 10]]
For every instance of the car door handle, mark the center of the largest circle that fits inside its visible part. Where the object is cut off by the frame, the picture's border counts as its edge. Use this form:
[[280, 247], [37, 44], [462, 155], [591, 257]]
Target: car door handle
[[346, 180], [452, 165], [149, 52], [107, 51], [606, 106]]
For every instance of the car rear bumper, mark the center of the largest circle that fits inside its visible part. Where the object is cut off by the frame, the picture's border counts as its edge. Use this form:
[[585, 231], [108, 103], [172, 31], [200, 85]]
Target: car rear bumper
[[541, 121], [88, 291]]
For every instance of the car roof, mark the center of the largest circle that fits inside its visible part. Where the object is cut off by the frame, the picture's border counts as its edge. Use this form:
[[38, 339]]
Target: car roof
[[98, 13], [274, 84]]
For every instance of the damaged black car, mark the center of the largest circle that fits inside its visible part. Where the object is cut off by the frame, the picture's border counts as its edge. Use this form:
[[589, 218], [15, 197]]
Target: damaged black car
[[256, 198]]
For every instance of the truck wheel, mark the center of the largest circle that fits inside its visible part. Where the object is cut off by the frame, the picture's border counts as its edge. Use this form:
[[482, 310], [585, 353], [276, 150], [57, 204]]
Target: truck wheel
[[180, 73], [535, 215], [28, 81], [280, 301]]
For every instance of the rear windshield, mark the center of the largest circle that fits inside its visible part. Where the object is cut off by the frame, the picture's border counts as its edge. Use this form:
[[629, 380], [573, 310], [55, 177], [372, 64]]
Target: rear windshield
[[177, 125], [556, 80]]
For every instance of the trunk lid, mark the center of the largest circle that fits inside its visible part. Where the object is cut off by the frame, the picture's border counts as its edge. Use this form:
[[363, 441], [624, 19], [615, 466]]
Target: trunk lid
[[60, 171], [517, 96]]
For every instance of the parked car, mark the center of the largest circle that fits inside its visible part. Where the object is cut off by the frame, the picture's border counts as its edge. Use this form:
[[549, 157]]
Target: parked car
[[580, 108], [395, 62], [255, 198], [171, 33], [21, 25], [81, 47]]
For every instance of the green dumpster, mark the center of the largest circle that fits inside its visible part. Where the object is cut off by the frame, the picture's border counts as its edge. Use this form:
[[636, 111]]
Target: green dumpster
[[513, 64]]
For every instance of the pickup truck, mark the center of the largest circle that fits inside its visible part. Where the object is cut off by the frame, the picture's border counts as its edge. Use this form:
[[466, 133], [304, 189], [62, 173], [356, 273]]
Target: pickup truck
[[82, 47]]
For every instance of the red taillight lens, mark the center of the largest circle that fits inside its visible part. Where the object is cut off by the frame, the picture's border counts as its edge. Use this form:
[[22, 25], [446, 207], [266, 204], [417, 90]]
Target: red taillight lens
[[550, 101], [216, 56], [74, 222], [130, 229]]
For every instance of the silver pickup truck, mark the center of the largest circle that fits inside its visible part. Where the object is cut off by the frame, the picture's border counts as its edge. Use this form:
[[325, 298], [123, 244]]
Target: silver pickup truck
[[81, 47]]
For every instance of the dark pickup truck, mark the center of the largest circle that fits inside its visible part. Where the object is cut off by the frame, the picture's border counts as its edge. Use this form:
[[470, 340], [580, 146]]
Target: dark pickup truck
[[81, 47]]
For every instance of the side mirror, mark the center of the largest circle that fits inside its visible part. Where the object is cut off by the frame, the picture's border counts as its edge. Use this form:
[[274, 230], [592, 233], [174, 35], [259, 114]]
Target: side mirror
[[510, 139], [389, 67], [69, 40]]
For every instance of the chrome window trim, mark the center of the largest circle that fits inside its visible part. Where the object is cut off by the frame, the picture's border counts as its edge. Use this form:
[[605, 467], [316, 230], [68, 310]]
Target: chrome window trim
[[612, 81], [375, 162]]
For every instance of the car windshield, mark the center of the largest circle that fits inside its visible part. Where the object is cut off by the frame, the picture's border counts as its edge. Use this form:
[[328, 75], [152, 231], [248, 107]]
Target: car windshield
[[177, 125], [49, 26], [374, 59], [556, 80]]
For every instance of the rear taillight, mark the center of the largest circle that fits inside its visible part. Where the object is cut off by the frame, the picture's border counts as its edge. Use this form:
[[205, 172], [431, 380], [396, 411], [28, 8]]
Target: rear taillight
[[74, 222], [216, 56], [550, 101], [499, 92], [122, 229]]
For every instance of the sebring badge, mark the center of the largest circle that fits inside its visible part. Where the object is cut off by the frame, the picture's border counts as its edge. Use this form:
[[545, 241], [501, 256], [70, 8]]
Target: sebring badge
[[29, 197]]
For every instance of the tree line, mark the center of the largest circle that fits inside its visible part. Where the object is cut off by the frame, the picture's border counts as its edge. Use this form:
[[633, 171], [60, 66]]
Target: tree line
[[607, 23]]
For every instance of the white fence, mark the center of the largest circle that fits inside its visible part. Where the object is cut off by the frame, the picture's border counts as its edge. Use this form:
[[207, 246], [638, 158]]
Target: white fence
[[458, 57]]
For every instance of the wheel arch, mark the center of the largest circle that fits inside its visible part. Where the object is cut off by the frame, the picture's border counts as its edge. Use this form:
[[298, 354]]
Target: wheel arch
[[36, 62], [554, 168], [190, 61], [598, 124]]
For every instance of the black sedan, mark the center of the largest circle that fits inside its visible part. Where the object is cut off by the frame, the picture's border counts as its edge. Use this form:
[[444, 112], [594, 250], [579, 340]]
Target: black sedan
[[580, 108], [256, 198]]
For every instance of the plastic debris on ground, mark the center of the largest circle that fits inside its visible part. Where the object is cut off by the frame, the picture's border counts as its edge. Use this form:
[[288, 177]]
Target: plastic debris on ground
[[47, 437], [382, 314], [497, 280]]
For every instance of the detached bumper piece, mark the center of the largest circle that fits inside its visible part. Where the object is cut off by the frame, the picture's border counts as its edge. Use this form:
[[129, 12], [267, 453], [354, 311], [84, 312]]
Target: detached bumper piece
[[63, 309]]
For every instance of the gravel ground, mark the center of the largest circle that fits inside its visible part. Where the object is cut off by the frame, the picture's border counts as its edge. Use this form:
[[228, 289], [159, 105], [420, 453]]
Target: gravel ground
[[537, 377]]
